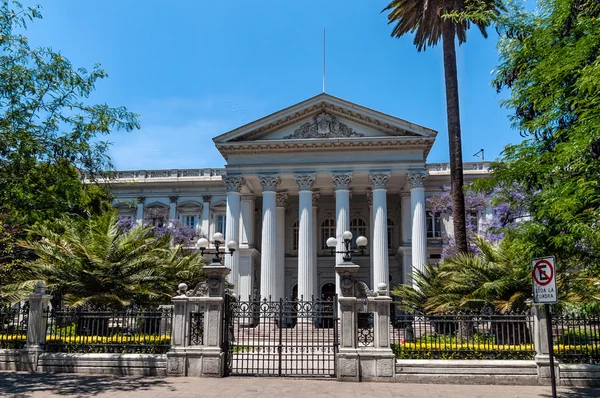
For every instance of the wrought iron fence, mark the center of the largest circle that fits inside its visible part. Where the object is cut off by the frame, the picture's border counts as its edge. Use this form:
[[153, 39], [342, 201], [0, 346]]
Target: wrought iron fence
[[576, 337], [104, 330], [13, 325], [470, 334], [281, 338], [197, 328]]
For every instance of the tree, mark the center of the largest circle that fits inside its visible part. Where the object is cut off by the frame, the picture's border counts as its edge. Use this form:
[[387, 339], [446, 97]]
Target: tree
[[551, 67], [508, 207], [49, 131], [94, 261], [497, 276], [431, 20], [49, 135]]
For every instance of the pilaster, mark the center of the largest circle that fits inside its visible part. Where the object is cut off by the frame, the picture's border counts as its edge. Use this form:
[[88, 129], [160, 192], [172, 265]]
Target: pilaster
[[281, 203]]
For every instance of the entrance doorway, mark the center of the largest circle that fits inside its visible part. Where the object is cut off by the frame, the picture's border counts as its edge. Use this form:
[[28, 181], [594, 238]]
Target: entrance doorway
[[328, 291]]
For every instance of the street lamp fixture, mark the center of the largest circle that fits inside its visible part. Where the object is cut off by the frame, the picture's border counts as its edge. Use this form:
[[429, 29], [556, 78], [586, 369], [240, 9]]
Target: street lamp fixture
[[361, 243], [218, 241]]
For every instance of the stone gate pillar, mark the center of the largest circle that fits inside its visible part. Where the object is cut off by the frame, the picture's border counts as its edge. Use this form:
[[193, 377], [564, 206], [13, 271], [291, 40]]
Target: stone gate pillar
[[202, 355], [36, 328], [374, 363]]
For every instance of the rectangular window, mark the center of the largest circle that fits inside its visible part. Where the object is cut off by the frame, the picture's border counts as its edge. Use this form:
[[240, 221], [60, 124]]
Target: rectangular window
[[434, 226], [221, 223], [189, 221]]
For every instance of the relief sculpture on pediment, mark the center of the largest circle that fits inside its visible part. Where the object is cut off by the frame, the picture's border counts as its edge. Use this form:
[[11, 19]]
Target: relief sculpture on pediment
[[324, 125]]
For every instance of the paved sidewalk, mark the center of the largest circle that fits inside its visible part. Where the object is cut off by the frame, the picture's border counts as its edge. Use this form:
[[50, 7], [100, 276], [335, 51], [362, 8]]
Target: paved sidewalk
[[22, 385]]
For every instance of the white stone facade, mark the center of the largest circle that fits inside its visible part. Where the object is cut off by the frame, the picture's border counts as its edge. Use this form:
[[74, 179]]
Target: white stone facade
[[297, 177]]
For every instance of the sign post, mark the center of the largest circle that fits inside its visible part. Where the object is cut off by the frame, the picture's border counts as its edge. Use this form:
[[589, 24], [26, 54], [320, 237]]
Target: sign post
[[544, 292]]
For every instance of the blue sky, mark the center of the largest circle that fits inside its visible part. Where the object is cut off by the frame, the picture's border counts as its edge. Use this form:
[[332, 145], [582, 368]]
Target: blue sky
[[196, 69]]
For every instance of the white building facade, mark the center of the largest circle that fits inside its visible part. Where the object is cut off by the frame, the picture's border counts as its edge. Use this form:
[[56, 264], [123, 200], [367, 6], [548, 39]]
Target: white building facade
[[297, 177]]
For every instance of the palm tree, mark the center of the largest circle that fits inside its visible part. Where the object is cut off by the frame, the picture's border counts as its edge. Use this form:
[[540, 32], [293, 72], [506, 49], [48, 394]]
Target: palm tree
[[95, 262], [431, 20], [499, 276]]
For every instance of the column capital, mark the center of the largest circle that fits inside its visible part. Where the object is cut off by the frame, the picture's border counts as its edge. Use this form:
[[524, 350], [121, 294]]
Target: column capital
[[369, 194], [206, 198], [417, 179], [269, 182], [379, 179], [233, 183], [173, 199], [281, 199], [342, 180], [140, 200], [249, 196], [315, 198], [305, 181]]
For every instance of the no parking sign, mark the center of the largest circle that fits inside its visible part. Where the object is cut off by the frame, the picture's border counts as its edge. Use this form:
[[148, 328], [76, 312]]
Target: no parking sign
[[544, 281]]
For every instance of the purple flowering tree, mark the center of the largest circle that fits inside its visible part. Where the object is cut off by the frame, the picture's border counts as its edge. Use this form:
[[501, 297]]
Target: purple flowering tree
[[507, 208], [180, 233]]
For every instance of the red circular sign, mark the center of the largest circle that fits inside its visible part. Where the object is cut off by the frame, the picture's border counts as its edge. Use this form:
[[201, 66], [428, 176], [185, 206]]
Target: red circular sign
[[538, 271]]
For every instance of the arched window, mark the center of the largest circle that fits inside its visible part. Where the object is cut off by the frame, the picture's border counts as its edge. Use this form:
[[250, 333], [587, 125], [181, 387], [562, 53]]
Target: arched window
[[358, 227], [390, 232], [327, 231]]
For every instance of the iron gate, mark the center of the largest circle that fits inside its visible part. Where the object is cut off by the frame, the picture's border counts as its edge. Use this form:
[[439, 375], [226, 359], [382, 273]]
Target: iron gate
[[280, 338]]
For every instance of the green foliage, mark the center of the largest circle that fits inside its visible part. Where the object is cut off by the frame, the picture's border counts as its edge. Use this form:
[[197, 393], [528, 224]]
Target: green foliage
[[498, 276], [420, 350], [49, 135], [551, 65], [92, 261], [424, 18]]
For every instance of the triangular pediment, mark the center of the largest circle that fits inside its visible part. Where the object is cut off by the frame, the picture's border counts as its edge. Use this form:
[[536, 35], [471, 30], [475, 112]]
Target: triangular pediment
[[324, 117]]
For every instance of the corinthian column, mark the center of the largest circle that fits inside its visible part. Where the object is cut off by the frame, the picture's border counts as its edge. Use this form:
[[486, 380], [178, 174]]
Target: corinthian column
[[233, 185], [281, 203], [342, 219], [268, 255], [315, 204], [306, 264], [419, 230], [379, 250]]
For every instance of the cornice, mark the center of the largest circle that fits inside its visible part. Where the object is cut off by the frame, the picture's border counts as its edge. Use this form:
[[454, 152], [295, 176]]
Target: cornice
[[317, 145]]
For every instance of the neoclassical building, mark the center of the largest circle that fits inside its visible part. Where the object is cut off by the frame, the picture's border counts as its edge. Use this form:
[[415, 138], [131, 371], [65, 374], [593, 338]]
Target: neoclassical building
[[297, 177]]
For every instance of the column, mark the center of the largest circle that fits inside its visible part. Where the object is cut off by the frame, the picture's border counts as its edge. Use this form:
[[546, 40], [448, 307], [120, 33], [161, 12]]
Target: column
[[281, 204], [205, 225], [268, 255], [139, 211], [419, 230], [315, 227], [233, 185], [342, 219], [371, 270], [172, 208], [379, 248], [247, 221], [306, 265], [247, 279]]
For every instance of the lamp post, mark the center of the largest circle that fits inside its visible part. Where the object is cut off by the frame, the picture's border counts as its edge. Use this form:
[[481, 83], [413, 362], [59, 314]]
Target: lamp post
[[218, 241], [361, 242]]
